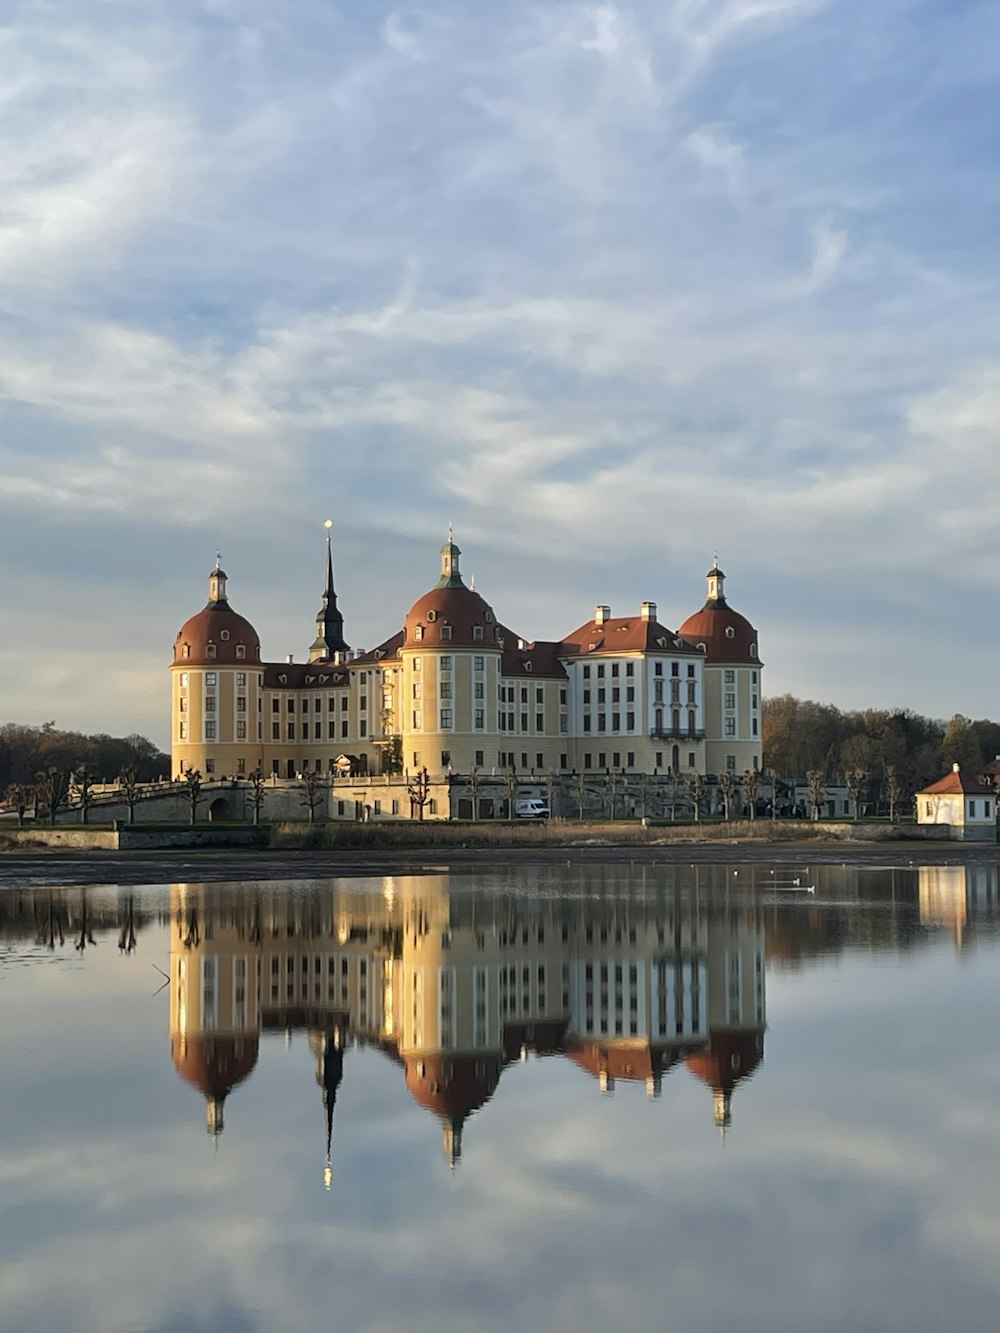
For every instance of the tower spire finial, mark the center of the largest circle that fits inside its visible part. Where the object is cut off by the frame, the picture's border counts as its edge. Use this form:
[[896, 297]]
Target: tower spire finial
[[329, 621]]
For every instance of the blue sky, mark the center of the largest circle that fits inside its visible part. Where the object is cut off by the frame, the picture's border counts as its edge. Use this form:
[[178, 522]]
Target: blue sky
[[607, 286]]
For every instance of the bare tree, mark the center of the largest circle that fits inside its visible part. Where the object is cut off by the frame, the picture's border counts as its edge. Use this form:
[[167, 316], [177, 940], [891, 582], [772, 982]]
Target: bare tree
[[510, 778], [474, 791], [856, 782], [126, 935], [751, 789], [695, 783], [313, 793], [772, 773], [611, 788], [50, 786], [192, 790], [816, 790], [418, 790], [728, 790], [257, 793], [86, 935], [20, 795], [82, 790], [128, 785], [893, 790], [550, 791], [581, 794]]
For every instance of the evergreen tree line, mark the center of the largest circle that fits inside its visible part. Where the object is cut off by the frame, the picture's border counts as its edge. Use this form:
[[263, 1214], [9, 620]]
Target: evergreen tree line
[[26, 752], [873, 745]]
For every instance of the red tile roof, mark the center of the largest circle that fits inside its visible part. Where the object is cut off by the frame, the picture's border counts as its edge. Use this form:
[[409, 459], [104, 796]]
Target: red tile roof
[[956, 784]]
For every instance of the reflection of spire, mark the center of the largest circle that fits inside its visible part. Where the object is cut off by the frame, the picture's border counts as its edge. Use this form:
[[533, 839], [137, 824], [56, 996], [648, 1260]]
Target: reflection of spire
[[331, 1074], [215, 1121], [452, 1139], [722, 1098]]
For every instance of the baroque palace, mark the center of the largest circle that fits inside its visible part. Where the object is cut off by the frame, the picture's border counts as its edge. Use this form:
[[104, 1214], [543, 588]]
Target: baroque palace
[[457, 692]]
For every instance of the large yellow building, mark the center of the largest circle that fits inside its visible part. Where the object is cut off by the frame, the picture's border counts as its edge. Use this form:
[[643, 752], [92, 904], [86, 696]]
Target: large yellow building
[[456, 692]]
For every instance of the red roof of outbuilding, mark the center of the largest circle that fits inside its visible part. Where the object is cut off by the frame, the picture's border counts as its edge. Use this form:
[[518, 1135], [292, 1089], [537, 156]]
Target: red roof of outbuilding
[[957, 784]]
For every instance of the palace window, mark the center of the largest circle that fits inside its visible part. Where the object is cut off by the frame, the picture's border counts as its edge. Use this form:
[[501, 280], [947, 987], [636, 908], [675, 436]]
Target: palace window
[[210, 731], [210, 678], [210, 650], [241, 652], [241, 679]]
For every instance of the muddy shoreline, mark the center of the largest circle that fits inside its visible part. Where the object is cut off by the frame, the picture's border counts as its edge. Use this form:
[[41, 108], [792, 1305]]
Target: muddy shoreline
[[23, 870]]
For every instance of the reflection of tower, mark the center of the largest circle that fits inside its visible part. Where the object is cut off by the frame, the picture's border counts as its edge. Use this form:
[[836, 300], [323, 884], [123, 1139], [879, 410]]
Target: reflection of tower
[[447, 1026], [638, 992], [735, 1004], [329, 1052], [214, 1011]]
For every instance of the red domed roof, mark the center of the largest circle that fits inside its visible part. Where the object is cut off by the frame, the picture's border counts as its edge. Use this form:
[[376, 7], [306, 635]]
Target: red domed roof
[[214, 1065], [451, 615], [729, 1058], [216, 635], [217, 627], [461, 610], [726, 635]]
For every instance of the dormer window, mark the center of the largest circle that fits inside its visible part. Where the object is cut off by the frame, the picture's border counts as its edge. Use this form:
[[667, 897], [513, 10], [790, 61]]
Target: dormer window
[[241, 651], [526, 665], [186, 650], [418, 633], [753, 650], [282, 679], [446, 631], [210, 650], [488, 617], [477, 633], [702, 648]]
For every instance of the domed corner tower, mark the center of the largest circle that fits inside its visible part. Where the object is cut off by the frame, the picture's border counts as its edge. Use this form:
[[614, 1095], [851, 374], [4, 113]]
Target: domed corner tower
[[215, 724], [733, 677], [451, 659]]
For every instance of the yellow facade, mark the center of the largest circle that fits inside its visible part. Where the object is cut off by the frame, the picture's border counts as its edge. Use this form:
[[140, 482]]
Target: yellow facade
[[456, 693]]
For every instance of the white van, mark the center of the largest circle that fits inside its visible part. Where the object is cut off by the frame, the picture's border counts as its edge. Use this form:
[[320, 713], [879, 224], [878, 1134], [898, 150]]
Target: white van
[[531, 807]]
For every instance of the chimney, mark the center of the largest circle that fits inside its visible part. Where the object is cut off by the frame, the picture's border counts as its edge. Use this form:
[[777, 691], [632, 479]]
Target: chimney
[[290, 659], [648, 611], [601, 614]]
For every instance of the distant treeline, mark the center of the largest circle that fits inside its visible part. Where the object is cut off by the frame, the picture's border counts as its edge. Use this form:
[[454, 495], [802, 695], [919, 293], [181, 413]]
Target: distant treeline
[[801, 736], [25, 752]]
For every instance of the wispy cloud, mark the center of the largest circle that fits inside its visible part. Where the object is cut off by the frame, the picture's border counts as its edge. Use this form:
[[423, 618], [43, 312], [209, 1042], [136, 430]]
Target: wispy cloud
[[639, 279]]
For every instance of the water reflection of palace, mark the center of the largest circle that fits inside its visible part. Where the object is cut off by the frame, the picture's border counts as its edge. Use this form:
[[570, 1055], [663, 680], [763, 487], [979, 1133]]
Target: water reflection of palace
[[455, 986], [627, 971]]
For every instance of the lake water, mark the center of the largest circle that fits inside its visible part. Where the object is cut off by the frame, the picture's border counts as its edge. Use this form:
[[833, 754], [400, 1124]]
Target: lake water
[[581, 1098]]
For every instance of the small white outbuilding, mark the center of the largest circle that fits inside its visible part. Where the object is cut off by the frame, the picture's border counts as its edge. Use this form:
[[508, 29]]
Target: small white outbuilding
[[967, 806]]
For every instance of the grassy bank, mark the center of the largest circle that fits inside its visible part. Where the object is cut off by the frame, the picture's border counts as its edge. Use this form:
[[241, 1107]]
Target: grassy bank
[[567, 833]]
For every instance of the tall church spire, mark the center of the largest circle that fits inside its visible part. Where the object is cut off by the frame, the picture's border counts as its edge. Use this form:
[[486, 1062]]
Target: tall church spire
[[329, 621]]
